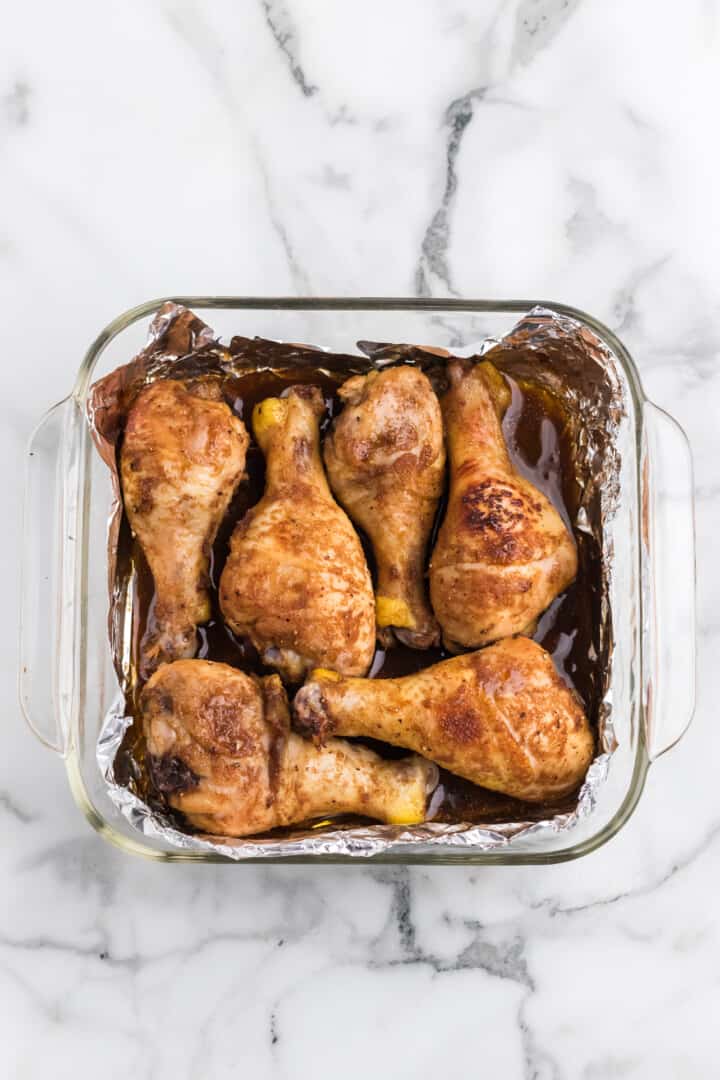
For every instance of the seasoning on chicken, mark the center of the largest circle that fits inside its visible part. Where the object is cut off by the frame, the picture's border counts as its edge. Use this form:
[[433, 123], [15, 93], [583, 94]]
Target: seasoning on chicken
[[501, 717], [182, 457], [221, 752], [385, 460], [503, 552], [296, 581]]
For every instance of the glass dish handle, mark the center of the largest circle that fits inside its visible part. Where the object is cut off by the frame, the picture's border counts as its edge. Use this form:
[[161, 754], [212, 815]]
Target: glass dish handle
[[668, 539], [45, 550]]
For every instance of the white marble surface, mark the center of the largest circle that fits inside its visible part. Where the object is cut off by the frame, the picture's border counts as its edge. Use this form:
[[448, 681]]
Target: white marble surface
[[553, 148]]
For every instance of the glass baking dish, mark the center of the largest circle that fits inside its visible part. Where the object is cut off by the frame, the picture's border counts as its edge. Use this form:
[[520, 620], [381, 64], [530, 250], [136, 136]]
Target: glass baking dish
[[67, 680]]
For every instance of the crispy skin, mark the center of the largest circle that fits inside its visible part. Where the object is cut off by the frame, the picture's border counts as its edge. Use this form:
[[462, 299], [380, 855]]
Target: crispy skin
[[503, 552], [501, 717], [221, 751], [385, 460], [182, 457], [296, 581]]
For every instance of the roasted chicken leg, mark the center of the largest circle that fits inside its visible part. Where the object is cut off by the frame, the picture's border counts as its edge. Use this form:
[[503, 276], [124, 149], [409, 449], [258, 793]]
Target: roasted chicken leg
[[385, 460], [181, 459], [221, 751], [503, 552], [501, 717], [296, 581]]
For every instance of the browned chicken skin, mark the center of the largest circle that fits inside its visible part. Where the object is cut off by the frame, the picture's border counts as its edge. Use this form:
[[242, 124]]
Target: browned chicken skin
[[385, 460], [182, 457], [296, 581], [501, 717], [503, 552], [221, 751]]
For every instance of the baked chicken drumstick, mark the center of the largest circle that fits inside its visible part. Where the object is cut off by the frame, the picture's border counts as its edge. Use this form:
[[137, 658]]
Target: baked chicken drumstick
[[296, 581], [501, 717], [385, 460], [503, 552], [221, 751], [182, 457]]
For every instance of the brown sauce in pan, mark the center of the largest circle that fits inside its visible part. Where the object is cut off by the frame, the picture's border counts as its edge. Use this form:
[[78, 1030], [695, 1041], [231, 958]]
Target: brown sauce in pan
[[540, 448]]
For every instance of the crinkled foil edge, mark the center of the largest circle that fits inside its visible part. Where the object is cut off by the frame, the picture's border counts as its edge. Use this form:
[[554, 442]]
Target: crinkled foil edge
[[367, 841]]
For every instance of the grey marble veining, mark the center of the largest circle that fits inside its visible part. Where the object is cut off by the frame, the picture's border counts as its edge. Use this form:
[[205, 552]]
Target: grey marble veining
[[550, 148]]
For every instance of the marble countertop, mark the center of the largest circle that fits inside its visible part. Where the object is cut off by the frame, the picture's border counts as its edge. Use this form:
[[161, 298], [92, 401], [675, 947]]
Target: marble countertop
[[551, 148]]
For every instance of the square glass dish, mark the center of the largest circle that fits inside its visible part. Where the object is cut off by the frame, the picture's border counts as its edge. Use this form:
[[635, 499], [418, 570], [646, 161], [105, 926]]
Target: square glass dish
[[67, 678]]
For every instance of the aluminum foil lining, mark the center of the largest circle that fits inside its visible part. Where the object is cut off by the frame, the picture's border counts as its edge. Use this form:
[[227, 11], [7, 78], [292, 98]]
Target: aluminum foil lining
[[544, 346]]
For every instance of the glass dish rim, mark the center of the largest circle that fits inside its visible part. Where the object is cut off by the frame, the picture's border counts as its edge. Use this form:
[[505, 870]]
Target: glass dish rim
[[504, 856]]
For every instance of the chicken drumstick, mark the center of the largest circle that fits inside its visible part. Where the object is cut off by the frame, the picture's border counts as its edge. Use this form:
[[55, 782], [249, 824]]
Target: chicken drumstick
[[182, 457], [503, 552], [501, 717], [385, 460], [221, 751]]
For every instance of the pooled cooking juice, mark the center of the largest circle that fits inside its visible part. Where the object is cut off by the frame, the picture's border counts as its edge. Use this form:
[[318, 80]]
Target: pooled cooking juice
[[540, 448]]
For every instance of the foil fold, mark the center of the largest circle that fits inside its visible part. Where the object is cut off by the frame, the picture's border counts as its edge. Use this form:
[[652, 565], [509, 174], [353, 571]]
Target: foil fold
[[549, 348]]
